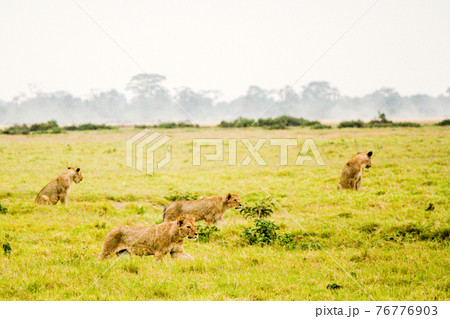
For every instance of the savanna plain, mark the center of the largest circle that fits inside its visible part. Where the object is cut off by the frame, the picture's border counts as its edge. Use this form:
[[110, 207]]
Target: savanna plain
[[384, 242]]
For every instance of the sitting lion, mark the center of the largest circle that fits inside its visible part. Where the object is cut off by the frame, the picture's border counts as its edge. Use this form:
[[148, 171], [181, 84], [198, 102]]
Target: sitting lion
[[351, 175], [211, 209], [154, 240], [59, 188]]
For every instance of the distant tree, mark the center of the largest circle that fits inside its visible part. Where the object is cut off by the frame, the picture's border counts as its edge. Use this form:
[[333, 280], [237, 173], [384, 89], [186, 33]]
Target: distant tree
[[320, 91], [196, 103], [146, 85]]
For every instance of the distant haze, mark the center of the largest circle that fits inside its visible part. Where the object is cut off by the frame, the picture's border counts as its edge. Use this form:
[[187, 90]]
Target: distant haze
[[223, 59]]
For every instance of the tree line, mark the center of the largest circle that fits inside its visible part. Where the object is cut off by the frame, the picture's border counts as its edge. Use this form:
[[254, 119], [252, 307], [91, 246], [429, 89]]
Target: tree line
[[150, 103]]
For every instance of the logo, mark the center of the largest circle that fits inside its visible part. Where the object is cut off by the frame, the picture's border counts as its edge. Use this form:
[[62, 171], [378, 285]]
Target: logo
[[253, 151], [141, 148]]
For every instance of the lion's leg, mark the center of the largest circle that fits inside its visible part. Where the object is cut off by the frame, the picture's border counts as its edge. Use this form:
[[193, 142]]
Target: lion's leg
[[209, 220], [358, 184], [159, 255], [63, 198], [179, 253]]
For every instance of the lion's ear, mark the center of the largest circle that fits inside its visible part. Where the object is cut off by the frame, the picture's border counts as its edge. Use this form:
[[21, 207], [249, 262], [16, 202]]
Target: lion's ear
[[69, 168], [180, 221], [78, 170], [370, 154], [229, 196]]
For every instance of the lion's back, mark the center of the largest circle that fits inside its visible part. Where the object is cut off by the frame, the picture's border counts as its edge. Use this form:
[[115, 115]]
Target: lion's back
[[196, 208]]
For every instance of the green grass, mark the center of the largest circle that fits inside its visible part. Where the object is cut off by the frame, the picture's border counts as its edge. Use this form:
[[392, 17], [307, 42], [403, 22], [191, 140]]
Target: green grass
[[382, 236]]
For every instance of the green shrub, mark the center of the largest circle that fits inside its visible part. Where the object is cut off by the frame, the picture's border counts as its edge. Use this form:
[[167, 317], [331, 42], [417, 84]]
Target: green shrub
[[320, 126], [50, 127], [140, 210], [276, 123], [264, 233], [17, 130], [287, 241], [205, 232], [444, 122], [381, 121], [179, 196], [358, 123], [168, 125], [262, 209], [3, 209], [7, 246], [406, 124], [88, 127], [45, 127], [333, 286]]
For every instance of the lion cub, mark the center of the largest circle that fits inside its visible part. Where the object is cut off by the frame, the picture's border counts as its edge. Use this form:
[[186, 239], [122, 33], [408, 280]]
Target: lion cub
[[351, 175], [154, 240], [59, 188], [210, 209]]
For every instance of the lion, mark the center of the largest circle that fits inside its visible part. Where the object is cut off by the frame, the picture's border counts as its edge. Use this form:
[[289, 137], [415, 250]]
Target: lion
[[154, 240], [351, 175], [211, 209], [58, 189]]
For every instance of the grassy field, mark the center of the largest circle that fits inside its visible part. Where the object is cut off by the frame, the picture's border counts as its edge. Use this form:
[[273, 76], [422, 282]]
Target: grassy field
[[382, 236]]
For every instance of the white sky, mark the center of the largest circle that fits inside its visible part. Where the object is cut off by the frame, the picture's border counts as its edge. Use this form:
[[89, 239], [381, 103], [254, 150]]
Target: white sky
[[225, 45]]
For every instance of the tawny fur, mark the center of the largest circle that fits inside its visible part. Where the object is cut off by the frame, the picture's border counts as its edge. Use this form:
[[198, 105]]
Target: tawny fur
[[351, 175], [211, 209], [154, 240], [58, 189]]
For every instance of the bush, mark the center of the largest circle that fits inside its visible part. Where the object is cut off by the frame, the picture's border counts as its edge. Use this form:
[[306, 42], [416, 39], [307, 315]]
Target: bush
[[45, 127], [287, 240], [381, 121], [276, 123], [7, 246], [88, 127], [205, 232], [140, 210], [17, 130], [3, 210], [264, 233], [405, 124], [444, 122], [168, 125], [259, 210], [50, 127], [358, 123], [320, 126], [333, 286], [239, 122], [178, 196]]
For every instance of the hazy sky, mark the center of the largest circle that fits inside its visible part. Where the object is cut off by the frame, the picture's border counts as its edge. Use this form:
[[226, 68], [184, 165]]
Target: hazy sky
[[225, 45]]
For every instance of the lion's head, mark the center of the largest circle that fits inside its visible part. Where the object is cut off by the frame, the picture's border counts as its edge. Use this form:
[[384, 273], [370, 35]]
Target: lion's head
[[365, 158], [233, 201], [187, 227], [76, 174]]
